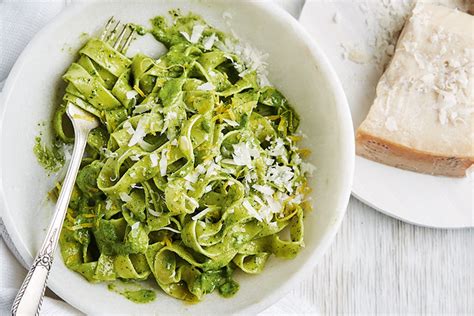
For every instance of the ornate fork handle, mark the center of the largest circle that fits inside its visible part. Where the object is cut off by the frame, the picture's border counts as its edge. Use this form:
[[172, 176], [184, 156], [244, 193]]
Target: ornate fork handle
[[30, 296], [37, 276]]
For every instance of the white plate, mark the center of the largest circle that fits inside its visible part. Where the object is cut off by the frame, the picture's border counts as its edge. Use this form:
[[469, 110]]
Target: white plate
[[31, 92], [350, 26]]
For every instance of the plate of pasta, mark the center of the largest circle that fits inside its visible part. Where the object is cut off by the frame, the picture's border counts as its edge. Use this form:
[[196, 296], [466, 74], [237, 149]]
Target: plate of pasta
[[221, 168]]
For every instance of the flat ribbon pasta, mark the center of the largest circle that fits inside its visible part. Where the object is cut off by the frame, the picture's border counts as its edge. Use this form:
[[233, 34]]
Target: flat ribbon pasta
[[194, 171]]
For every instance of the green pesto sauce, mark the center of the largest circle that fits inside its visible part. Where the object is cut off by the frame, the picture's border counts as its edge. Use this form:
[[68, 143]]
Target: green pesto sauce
[[229, 288], [109, 239], [170, 34], [51, 158], [139, 28], [141, 296], [221, 280]]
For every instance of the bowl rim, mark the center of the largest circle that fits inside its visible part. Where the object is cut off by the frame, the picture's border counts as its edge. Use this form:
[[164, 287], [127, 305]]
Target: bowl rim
[[347, 151]]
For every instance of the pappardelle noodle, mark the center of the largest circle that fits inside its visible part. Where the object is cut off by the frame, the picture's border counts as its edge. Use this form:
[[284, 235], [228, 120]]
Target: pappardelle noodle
[[194, 171]]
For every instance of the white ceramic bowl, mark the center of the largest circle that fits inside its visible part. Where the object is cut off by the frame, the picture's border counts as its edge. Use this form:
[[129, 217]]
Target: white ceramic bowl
[[296, 66]]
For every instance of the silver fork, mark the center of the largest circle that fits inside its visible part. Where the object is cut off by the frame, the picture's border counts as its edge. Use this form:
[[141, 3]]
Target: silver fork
[[122, 41], [30, 296]]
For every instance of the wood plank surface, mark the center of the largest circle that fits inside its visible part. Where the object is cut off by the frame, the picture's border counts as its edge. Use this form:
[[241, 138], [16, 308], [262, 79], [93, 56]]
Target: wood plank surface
[[379, 265]]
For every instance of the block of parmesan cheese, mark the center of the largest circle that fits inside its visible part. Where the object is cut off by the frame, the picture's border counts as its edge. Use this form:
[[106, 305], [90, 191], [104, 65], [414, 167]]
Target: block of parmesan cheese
[[423, 116]]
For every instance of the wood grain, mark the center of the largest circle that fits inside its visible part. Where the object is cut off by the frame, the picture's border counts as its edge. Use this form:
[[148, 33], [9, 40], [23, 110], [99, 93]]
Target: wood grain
[[378, 264]]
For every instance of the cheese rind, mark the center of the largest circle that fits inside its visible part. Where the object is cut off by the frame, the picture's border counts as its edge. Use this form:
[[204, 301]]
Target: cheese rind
[[423, 116], [396, 155]]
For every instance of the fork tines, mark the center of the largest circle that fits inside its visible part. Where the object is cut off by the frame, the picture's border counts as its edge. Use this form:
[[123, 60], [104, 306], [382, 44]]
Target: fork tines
[[121, 41]]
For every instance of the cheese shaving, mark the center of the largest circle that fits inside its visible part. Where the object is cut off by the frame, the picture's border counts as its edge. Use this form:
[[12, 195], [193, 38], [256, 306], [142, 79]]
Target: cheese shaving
[[131, 94], [209, 41], [281, 176], [135, 226], [135, 157], [208, 86], [252, 211], [125, 197], [139, 132], [243, 154], [164, 162], [231, 122], [197, 33], [264, 189], [154, 159], [129, 128], [169, 229], [201, 214], [108, 204], [154, 213]]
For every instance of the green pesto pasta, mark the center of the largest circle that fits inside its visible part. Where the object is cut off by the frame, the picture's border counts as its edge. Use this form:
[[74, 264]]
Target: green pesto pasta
[[194, 171]]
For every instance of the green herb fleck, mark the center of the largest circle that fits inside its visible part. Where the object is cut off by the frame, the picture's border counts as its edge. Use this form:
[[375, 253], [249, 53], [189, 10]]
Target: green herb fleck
[[51, 158], [141, 296]]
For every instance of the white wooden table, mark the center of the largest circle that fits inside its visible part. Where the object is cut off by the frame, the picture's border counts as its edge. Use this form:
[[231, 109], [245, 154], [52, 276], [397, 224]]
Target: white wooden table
[[378, 264]]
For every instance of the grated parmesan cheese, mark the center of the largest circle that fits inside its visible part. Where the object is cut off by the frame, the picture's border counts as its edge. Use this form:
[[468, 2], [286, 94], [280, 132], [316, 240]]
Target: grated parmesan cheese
[[200, 169], [277, 149], [252, 211], [268, 161], [108, 153], [108, 204], [274, 205], [134, 229], [243, 154], [142, 108], [154, 159], [208, 86], [212, 169], [154, 213], [195, 34], [170, 116], [135, 157], [264, 189], [208, 188], [188, 186], [129, 128], [231, 122], [131, 94], [164, 162], [139, 132], [191, 177], [281, 176], [191, 200], [170, 229], [125, 197], [252, 58], [209, 41], [201, 214]]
